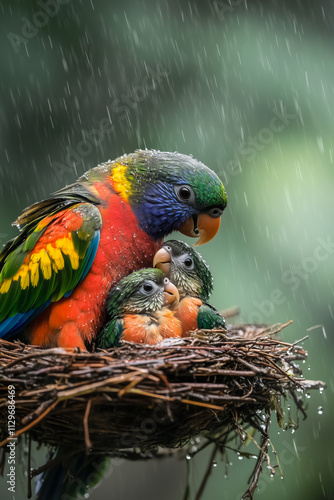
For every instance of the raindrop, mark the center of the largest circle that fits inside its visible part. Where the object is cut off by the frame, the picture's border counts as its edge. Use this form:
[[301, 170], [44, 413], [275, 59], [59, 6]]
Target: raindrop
[[188, 457], [320, 144], [320, 410], [214, 464]]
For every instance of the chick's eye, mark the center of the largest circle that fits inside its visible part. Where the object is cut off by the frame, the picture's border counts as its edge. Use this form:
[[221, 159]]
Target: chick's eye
[[187, 262], [184, 193], [148, 288]]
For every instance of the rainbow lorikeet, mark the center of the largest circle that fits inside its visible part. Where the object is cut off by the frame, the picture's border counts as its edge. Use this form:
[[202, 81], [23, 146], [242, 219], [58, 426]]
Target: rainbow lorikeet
[[139, 310], [77, 244], [191, 274]]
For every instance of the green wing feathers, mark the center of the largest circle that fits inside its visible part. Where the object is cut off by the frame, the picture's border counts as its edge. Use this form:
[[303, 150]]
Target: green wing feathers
[[111, 334], [209, 318]]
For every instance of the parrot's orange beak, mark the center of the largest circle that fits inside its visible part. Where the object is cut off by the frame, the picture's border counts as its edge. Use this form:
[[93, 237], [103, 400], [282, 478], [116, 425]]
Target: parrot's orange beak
[[204, 226], [171, 294], [162, 260]]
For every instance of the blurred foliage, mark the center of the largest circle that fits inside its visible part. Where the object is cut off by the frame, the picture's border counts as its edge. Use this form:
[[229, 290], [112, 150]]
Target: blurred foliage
[[222, 72]]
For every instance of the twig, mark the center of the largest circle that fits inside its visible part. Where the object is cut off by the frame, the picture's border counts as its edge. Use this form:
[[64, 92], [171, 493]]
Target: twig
[[29, 468], [231, 312], [207, 473], [260, 460], [300, 340], [186, 495], [86, 428]]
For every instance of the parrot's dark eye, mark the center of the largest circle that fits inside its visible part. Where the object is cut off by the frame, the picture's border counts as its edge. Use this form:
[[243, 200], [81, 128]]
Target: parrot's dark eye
[[187, 262], [185, 193], [166, 281], [148, 288]]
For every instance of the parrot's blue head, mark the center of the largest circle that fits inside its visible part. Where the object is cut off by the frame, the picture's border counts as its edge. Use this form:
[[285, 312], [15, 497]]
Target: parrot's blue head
[[170, 192]]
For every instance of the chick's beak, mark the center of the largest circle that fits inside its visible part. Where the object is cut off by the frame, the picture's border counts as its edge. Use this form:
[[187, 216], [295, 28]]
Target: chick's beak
[[162, 260], [171, 294], [204, 226]]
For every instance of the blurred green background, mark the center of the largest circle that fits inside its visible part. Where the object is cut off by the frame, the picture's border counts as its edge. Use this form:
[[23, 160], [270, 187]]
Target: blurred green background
[[247, 88]]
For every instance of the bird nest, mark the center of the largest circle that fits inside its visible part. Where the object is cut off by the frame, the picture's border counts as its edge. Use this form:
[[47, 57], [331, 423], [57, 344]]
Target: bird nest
[[137, 400]]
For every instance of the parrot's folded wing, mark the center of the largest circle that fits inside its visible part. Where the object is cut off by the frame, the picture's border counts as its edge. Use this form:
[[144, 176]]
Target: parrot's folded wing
[[47, 260], [209, 318], [64, 198], [111, 334]]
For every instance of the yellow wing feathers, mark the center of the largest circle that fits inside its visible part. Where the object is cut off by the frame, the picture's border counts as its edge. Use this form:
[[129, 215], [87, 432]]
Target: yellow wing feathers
[[44, 261]]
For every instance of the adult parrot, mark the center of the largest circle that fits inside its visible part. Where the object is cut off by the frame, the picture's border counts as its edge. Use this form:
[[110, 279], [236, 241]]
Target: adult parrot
[[139, 310], [191, 274], [77, 244]]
